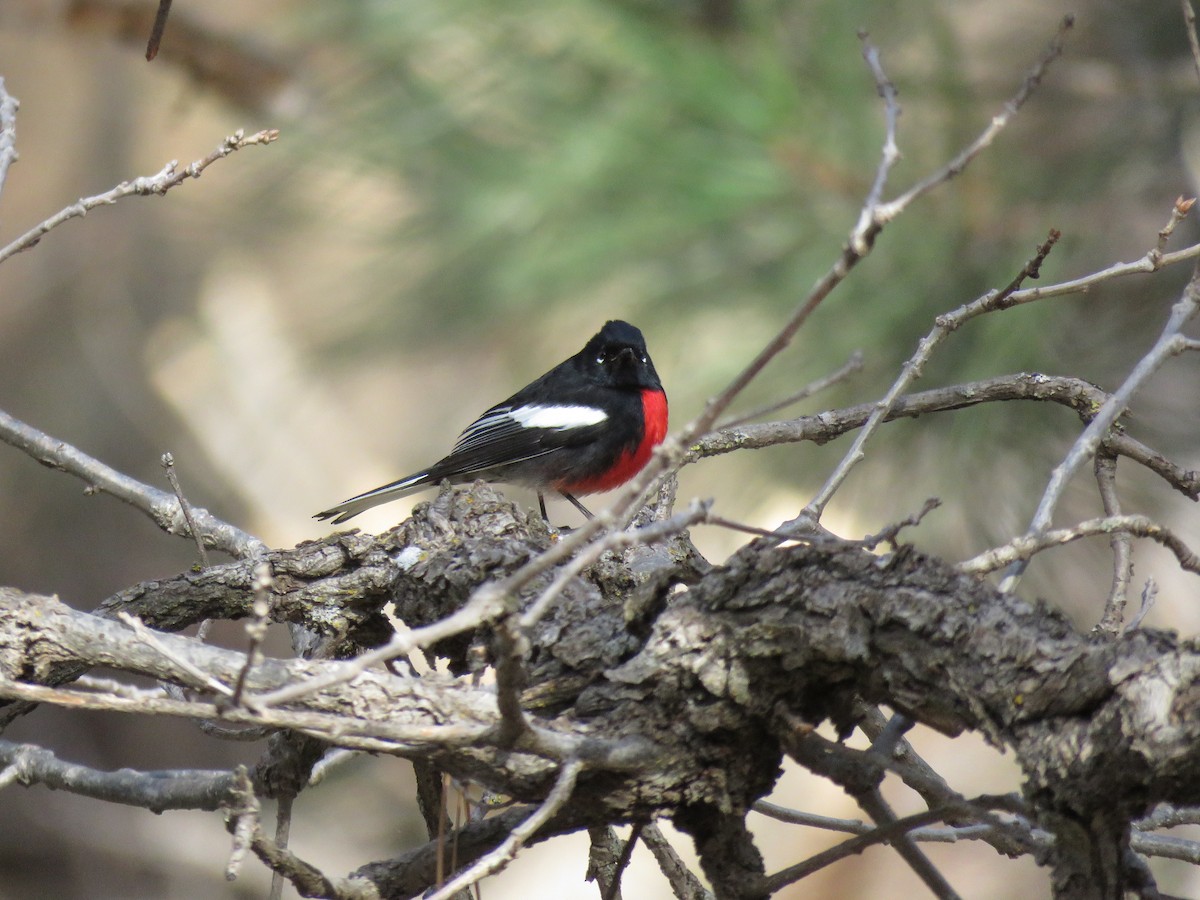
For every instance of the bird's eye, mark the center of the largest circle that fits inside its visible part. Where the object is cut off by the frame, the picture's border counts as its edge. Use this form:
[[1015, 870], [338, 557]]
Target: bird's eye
[[645, 358], [601, 359]]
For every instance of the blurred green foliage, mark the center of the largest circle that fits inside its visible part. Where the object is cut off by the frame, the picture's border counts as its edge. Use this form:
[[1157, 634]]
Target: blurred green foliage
[[570, 154], [694, 166]]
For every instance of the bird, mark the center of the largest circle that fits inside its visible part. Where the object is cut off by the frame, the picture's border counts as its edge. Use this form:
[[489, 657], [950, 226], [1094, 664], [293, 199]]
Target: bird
[[586, 426]]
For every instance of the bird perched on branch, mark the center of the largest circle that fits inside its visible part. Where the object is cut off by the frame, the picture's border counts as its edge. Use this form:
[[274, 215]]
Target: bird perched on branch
[[587, 425]]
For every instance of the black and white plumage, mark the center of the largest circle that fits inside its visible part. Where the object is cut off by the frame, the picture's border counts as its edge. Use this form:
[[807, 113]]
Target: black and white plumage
[[587, 425]]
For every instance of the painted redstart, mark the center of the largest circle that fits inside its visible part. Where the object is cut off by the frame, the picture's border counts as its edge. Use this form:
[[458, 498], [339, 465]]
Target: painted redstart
[[587, 425]]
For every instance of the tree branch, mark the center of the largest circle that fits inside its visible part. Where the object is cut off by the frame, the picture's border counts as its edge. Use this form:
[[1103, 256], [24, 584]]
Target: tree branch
[[168, 177], [162, 507]]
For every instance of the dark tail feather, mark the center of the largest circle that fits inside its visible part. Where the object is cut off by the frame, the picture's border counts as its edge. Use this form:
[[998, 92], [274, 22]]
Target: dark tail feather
[[385, 494]]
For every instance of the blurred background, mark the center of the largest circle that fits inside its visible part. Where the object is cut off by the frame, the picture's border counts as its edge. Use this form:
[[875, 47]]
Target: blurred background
[[463, 192]]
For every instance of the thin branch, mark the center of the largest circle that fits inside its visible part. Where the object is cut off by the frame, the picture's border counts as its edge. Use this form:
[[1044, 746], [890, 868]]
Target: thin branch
[[156, 32], [852, 365], [283, 831], [331, 761], [1122, 547], [168, 464], [877, 808], [614, 888], [853, 768], [1168, 815], [256, 628], [200, 678], [241, 820], [118, 688], [684, 884], [1169, 343], [502, 855], [868, 216], [1083, 397], [881, 835], [170, 176], [604, 851], [244, 822], [29, 764], [511, 648], [160, 506], [339, 728], [955, 167], [1189, 18], [1149, 595], [912, 370], [1166, 846], [8, 131], [1027, 546], [890, 534]]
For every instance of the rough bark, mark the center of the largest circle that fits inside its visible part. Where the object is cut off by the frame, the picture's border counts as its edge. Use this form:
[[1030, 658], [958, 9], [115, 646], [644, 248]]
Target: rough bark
[[700, 674]]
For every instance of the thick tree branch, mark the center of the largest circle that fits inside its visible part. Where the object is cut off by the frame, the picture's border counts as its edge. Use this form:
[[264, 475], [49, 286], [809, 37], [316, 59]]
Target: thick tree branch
[[162, 507]]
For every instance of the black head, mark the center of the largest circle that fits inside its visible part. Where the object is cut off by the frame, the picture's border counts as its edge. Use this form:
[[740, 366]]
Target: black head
[[616, 355]]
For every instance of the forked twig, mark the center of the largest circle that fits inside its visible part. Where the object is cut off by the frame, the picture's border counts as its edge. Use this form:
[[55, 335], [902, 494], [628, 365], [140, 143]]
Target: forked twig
[[502, 855]]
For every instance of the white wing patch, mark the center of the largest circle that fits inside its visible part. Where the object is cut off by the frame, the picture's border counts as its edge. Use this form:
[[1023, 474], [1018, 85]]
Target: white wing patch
[[504, 423], [558, 418]]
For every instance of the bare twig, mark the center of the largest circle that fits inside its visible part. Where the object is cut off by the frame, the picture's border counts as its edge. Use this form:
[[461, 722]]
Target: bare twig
[[241, 820], [201, 679], [1189, 19], [502, 855], [604, 849], [1168, 815], [118, 688], [1169, 343], [1122, 547], [244, 823], [955, 167], [732, 525], [332, 760], [283, 831], [8, 131], [156, 33], [170, 176], [878, 809], [868, 216], [892, 532], [162, 507], [256, 628], [168, 464], [1027, 546], [852, 365], [1149, 595], [29, 764], [614, 887], [912, 370], [512, 646], [880, 835], [1079, 395], [684, 884]]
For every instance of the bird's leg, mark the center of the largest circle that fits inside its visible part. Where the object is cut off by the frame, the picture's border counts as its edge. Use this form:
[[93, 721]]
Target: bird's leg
[[575, 503], [542, 506]]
